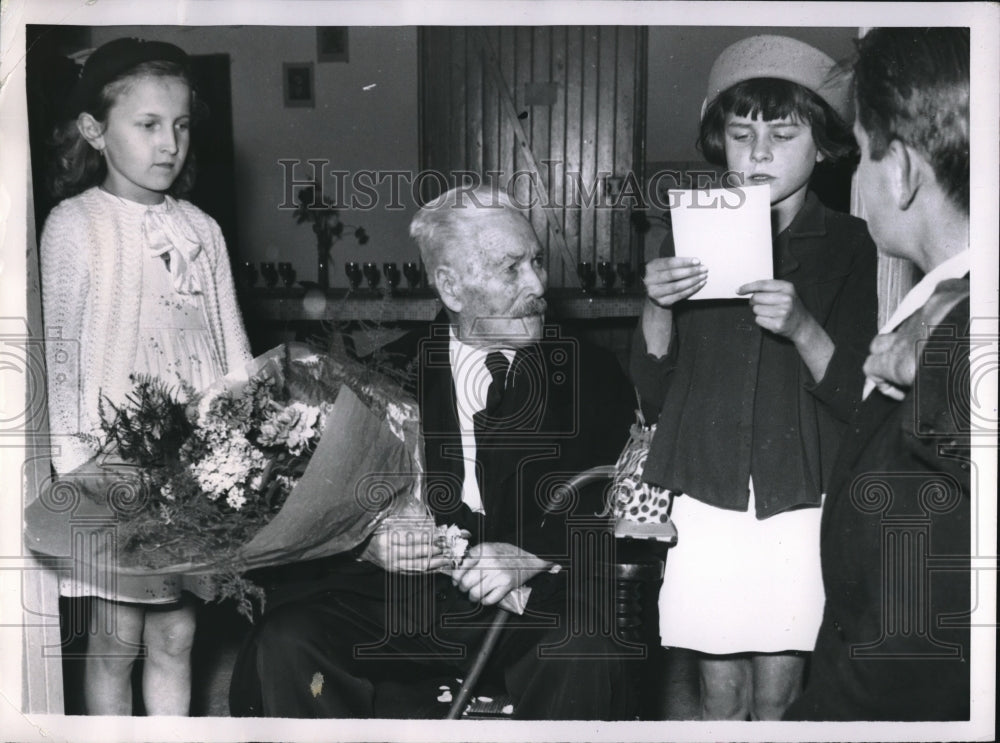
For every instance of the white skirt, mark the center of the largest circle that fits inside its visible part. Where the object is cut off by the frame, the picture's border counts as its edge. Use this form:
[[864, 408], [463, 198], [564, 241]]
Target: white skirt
[[737, 584]]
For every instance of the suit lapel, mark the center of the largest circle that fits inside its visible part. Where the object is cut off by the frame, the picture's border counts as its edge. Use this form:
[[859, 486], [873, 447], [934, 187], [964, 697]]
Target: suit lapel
[[871, 416], [526, 406], [876, 408], [439, 421]]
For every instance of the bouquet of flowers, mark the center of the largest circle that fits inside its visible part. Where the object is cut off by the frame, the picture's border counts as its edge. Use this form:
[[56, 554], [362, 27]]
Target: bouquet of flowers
[[299, 456]]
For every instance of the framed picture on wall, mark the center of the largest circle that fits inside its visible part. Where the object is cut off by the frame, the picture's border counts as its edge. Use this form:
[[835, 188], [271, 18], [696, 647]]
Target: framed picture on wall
[[299, 84], [331, 44]]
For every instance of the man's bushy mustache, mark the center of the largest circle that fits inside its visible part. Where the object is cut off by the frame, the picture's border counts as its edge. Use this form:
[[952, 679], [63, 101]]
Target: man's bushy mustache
[[534, 306]]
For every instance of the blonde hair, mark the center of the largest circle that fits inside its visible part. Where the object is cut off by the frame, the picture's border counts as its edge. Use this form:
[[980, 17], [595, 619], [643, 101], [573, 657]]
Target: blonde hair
[[75, 166]]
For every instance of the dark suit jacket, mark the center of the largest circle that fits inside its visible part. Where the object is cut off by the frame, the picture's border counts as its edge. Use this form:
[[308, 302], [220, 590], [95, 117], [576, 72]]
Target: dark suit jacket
[[894, 641], [570, 407]]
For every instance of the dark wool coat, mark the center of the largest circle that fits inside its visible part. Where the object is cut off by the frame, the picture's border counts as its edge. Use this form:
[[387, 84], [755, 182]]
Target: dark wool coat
[[895, 543], [735, 400]]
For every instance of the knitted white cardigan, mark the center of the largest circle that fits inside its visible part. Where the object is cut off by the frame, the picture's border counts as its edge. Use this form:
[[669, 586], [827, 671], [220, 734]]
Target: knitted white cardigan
[[91, 261]]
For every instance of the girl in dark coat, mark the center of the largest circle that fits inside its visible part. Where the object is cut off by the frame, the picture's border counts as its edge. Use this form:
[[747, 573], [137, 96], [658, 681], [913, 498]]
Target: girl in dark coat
[[753, 395]]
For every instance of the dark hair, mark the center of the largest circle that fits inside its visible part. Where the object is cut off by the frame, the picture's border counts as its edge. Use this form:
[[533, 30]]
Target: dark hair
[[76, 166], [773, 98], [912, 85]]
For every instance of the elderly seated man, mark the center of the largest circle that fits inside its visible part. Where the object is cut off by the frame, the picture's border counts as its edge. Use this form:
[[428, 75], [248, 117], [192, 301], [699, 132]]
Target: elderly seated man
[[510, 407]]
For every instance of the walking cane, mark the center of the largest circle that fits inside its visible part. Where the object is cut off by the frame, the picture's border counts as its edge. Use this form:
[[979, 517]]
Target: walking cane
[[472, 677], [594, 474]]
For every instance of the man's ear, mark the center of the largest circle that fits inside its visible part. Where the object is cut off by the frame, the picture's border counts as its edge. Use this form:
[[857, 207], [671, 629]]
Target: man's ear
[[907, 173], [91, 130], [447, 283]]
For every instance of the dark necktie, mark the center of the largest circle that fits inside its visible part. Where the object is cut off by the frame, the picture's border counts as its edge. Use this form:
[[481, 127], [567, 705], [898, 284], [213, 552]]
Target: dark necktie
[[486, 420], [497, 366]]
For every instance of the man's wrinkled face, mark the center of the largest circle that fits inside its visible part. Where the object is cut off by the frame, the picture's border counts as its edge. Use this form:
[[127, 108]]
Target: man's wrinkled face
[[501, 283]]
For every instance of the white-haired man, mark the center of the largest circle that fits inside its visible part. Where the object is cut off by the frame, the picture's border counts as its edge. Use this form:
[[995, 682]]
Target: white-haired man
[[510, 407]]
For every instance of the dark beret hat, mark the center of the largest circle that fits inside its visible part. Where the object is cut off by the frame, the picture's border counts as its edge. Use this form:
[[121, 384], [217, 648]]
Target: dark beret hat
[[112, 60]]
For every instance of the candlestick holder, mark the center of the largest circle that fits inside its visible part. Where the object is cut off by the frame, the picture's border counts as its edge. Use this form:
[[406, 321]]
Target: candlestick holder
[[392, 276], [249, 273], [270, 273], [372, 275], [353, 272], [607, 273], [287, 274], [411, 270]]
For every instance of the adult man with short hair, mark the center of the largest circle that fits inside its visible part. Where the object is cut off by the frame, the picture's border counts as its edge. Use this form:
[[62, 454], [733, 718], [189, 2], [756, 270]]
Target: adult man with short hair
[[509, 409], [894, 641]]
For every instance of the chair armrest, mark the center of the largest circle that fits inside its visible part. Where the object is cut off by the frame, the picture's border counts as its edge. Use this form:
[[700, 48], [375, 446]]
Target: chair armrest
[[589, 477]]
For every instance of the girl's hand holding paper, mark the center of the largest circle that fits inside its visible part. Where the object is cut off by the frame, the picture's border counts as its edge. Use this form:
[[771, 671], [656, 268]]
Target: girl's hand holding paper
[[776, 307], [669, 280]]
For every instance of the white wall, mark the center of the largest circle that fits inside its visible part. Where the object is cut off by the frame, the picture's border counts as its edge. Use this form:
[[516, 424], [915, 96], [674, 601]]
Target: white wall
[[350, 126]]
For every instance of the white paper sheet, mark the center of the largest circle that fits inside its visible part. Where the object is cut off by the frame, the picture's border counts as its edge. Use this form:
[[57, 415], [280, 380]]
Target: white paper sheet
[[729, 231]]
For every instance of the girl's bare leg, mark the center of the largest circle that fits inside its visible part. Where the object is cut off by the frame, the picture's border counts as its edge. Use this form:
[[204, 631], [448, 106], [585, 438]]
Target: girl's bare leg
[[112, 647], [725, 684], [777, 681], [166, 678]]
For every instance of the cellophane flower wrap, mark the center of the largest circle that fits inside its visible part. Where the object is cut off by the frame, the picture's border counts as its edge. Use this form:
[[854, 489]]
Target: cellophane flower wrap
[[297, 457]]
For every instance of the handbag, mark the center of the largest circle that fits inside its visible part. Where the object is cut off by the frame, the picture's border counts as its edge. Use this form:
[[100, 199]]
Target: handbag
[[640, 510]]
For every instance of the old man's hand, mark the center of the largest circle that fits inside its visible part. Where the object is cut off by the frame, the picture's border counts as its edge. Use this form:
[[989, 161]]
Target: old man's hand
[[491, 570], [404, 543]]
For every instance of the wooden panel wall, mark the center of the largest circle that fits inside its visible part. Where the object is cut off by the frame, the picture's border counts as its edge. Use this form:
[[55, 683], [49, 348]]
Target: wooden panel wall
[[477, 115]]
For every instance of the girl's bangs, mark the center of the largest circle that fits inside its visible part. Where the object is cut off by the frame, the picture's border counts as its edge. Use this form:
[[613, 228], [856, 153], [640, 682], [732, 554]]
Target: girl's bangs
[[768, 99]]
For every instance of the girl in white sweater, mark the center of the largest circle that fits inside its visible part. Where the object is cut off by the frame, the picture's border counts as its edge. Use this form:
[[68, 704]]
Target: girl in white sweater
[[141, 282]]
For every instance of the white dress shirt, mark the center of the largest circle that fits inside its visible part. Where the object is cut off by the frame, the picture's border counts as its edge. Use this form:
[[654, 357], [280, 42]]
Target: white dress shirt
[[954, 268], [472, 381]]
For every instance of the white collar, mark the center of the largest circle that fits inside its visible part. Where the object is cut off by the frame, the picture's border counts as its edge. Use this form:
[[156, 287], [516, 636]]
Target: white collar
[[464, 356], [954, 268]]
